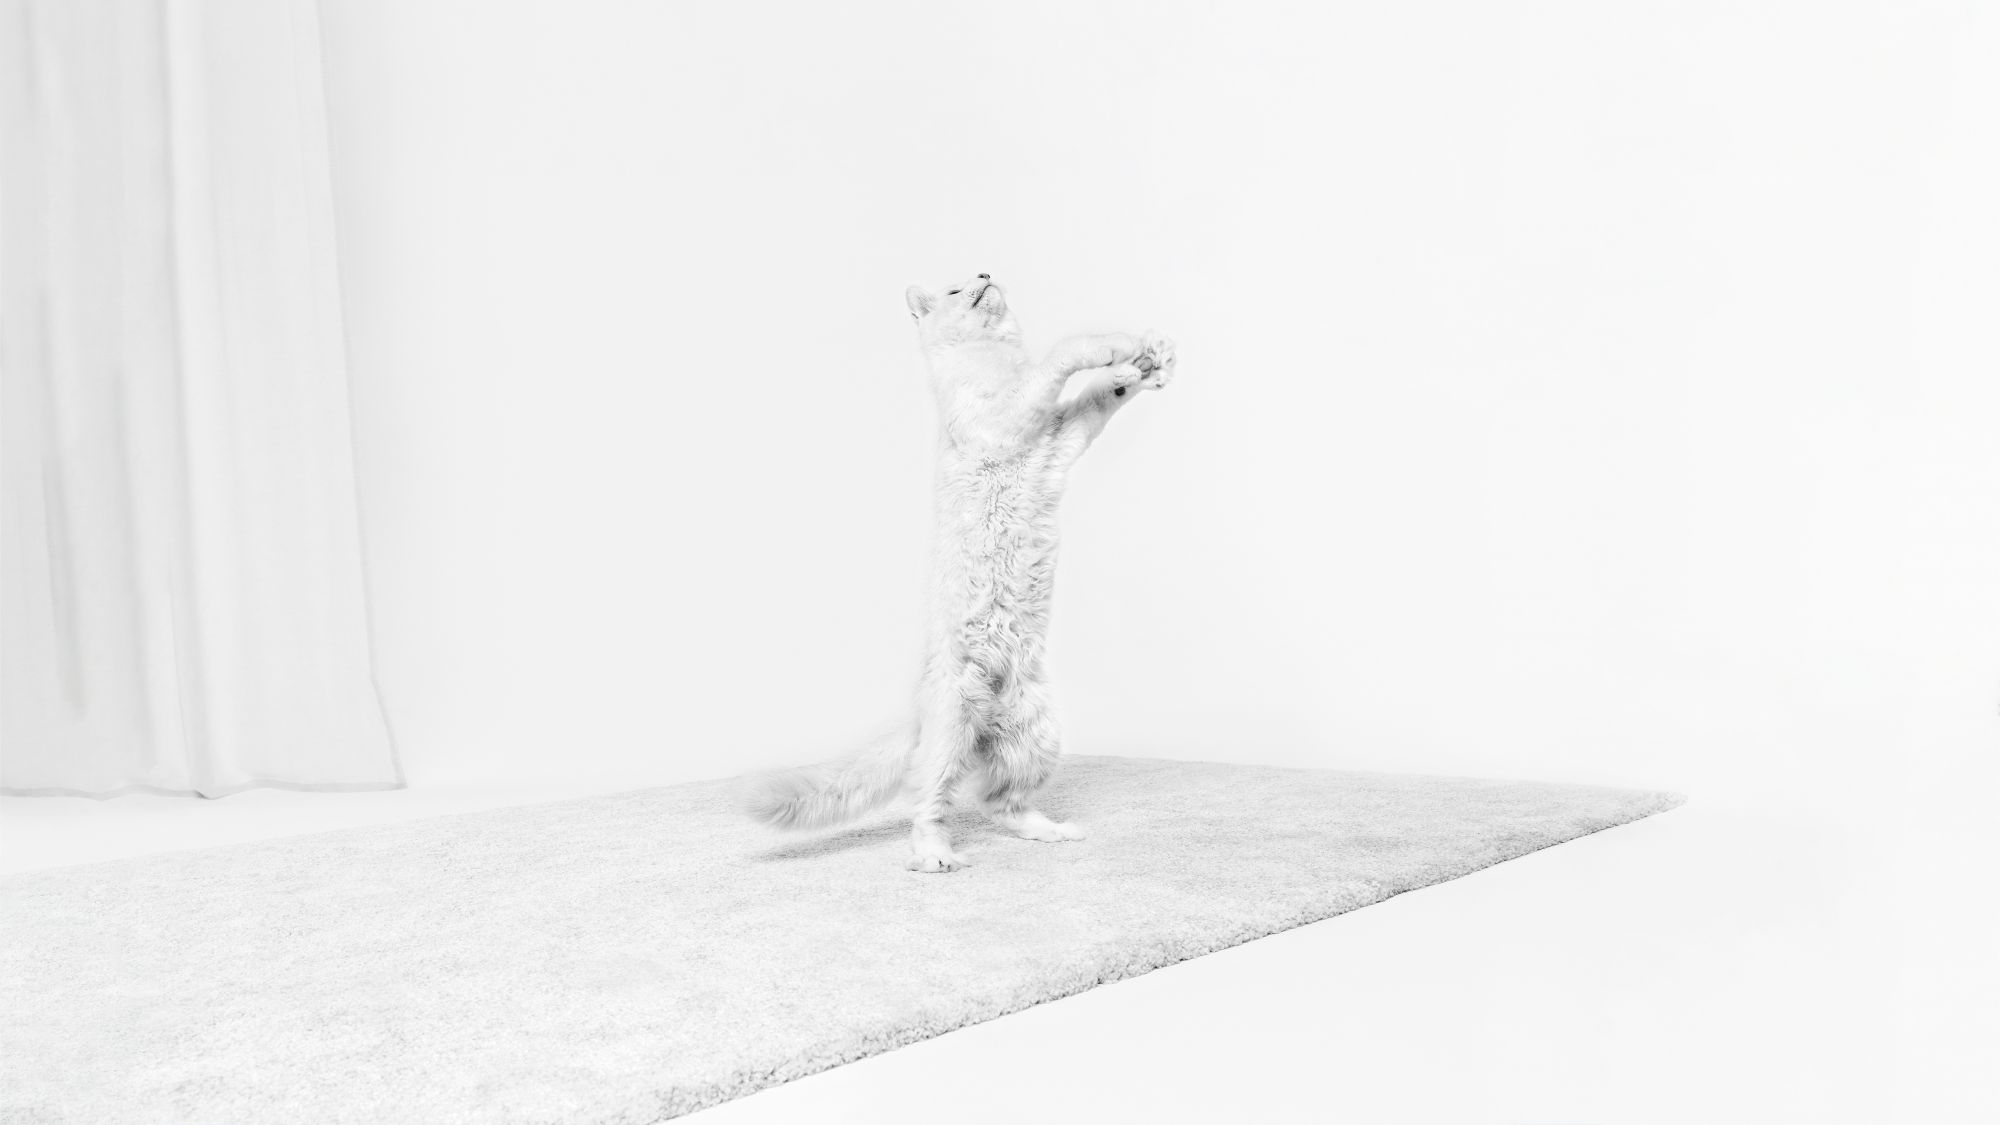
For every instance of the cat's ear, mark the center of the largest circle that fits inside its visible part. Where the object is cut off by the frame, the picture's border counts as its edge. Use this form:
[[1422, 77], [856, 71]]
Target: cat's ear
[[919, 299]]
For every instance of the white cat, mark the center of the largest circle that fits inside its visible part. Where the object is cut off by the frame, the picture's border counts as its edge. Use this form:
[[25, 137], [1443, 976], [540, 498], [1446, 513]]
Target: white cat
[[985, 725]]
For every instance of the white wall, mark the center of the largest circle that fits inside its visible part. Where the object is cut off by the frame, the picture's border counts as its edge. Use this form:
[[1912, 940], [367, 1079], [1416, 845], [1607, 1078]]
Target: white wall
[[1580, 391]]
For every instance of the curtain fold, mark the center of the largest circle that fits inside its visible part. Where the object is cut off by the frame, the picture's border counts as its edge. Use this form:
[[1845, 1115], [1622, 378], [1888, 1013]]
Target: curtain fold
[[181, 589]]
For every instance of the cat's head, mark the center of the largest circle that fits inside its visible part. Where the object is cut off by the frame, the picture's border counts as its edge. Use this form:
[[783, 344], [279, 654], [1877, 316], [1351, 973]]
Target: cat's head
[[972, 313]]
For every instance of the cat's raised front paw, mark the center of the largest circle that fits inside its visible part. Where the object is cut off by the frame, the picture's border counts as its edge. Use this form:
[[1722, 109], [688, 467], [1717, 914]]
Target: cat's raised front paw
[[1155, 361]]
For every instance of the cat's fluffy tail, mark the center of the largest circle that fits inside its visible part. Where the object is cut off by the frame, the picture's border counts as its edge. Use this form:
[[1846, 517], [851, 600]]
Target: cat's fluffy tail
[[835, 792]]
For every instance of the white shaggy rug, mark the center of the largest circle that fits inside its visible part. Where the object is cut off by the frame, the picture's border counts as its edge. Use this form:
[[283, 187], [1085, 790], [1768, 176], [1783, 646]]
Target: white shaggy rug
[[634, 957]]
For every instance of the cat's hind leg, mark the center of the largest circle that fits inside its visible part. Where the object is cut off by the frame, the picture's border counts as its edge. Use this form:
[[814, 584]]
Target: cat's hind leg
[[1022, 755]]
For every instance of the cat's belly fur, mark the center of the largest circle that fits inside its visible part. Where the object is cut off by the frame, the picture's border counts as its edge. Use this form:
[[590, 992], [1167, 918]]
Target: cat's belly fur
[[994, 571]]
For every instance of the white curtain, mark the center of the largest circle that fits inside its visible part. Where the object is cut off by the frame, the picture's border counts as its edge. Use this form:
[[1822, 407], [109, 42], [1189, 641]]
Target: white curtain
[[181, 575]]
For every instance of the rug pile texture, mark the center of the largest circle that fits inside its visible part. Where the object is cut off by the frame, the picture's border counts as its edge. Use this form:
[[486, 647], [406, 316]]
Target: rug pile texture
[[630, 958]]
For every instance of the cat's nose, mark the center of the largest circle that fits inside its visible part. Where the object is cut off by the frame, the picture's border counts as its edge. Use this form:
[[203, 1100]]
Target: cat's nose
[[986, 277]]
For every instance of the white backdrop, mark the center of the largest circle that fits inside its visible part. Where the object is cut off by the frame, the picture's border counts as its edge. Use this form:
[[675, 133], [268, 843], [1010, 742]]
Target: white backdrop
[[1588, 392]]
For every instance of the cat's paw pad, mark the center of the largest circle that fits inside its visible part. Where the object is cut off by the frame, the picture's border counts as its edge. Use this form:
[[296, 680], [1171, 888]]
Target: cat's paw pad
[[1155, 360], [1125, 376]]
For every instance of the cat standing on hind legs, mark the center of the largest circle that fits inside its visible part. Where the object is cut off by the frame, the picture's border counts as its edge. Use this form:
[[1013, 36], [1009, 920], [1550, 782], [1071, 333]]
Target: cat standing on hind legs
[[1010, 429]]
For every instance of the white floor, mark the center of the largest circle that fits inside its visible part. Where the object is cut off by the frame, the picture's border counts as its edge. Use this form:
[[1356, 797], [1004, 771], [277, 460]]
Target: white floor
[[1696, 966]]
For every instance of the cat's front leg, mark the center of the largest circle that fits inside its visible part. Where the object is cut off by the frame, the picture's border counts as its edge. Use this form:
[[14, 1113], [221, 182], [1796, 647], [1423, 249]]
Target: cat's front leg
[[1075, 356], [1086, 403], [1150, 368], [1082, 353]]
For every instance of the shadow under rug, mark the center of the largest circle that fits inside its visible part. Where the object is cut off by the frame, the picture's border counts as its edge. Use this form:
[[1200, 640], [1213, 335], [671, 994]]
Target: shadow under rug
[[638, 956]]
